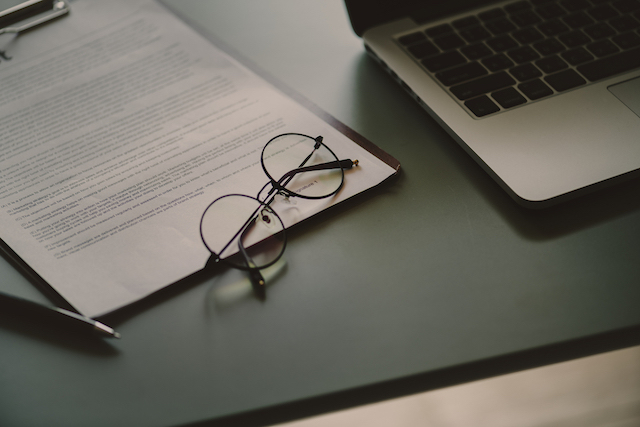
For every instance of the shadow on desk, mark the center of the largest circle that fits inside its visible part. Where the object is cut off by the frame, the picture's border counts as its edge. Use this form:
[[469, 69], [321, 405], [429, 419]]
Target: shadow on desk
[[581, 213], [596, 391], [372, 84], [484, 369]]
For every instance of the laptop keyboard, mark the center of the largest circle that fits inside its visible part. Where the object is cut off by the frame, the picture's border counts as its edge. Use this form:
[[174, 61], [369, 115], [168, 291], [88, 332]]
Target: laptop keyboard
[[528, 50]]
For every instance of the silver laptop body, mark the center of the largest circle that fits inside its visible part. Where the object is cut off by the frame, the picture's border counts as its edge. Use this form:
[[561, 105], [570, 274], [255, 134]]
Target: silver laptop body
[[542, 151]]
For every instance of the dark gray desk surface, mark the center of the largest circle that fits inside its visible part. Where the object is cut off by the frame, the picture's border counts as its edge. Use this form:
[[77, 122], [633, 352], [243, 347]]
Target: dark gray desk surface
[[435, 278]]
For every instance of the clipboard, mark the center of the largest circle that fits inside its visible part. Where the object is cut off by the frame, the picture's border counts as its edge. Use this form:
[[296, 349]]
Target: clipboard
[[19, 16], [57, 286]]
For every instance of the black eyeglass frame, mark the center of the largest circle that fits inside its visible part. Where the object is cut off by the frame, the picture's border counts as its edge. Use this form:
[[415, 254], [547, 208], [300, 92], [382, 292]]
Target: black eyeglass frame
[[277, 187]]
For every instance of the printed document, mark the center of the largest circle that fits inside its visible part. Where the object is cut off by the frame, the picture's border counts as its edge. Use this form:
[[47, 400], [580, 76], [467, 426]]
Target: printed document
[[119, 124]]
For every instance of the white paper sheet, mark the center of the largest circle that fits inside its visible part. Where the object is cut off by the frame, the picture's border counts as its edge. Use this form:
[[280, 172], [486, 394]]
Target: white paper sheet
[[118, 126]]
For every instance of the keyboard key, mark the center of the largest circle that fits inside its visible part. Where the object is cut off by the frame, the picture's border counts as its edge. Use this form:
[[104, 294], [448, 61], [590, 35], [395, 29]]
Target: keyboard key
[[482, 85], [535, 89], [461, 73], [551, 64], [602, 48], [550, 11], [577, 20], [573, 5], [476, 51], [501, 43], [553, 28], [500, 26], [443, 60], [423, 50], [525, 19], [577, 56], [527, 35], [439, 30], [518, 6], [624, 23], [574, 38], [411, 38], [508, 98], [475, 34], [602, 12], [612, 65], [565, 80], [497, 62], [549, 46], [482, 106], [525, 72], [627, 40], [449, 42], [599, 31], [492, 14], [626, 6], [465, 22], [523, 54]]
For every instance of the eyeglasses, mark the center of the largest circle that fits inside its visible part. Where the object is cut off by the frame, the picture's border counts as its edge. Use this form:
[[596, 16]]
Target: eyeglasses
[[245, 232]]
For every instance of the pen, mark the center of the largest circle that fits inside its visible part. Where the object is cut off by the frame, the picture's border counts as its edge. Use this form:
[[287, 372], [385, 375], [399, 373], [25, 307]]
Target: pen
[[66, 317]]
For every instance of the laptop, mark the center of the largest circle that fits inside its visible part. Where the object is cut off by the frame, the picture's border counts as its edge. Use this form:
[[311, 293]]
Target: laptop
[[543, 94]]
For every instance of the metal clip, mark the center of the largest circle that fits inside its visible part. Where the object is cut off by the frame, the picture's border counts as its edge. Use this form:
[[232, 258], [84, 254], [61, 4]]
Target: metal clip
[[30, 14]]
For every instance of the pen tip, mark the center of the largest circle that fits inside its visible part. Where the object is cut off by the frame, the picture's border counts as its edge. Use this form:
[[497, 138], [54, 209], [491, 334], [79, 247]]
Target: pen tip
[[105, 330]]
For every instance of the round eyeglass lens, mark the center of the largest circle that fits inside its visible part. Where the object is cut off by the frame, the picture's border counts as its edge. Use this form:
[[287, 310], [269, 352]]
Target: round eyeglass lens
[[302, 165], [234, 223]]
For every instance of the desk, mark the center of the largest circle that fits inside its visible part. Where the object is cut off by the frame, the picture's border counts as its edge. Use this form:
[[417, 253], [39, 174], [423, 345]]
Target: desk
[[433, 279]]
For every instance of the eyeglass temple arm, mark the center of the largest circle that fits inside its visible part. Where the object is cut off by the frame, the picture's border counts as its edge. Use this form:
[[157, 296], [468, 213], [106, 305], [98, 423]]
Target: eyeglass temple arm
[[284, 180], [342, 164], [255, 277]]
